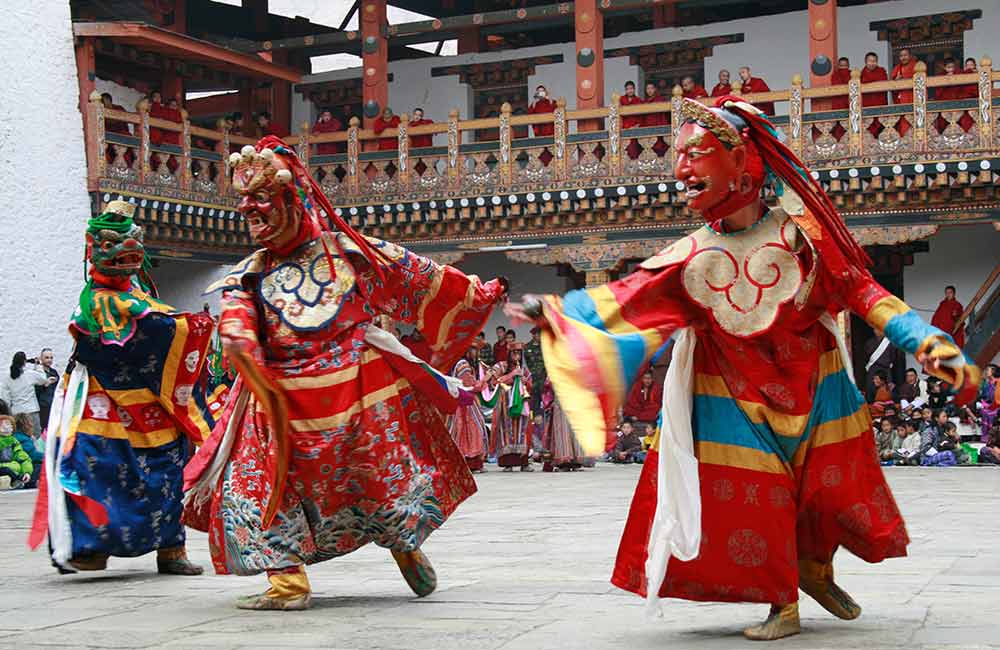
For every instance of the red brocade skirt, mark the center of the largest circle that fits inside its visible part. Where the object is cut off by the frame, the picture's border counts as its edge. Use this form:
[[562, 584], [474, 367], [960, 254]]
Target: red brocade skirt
[[769, 500]]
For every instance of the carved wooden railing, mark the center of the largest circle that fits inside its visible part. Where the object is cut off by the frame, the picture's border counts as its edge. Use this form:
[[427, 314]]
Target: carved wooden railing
[[553, 155]]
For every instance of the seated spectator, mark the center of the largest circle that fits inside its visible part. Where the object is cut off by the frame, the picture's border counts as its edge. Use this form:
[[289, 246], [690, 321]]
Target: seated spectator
[[32, 444], [937, 395], [628, 448], [841, 76], [873, 73], [931, 438], [905, 69], [327, 123], [113, 126], [15, 463], [387, 120], [426, 140], [644, 400], [722, 88], [910, 394], [753, 85], [881, 395], [906, 444], [691, 89], [653, 96], [989, 454], [951, 441], [884, 435], [542, 104], [988, 401], [649, 436]]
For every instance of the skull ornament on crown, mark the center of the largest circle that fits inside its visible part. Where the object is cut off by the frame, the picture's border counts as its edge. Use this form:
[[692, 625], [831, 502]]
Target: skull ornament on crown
[[273, 205], [114, 241]]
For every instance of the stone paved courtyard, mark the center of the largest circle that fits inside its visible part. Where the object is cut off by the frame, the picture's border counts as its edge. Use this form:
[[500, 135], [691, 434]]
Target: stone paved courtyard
[[523, 564]]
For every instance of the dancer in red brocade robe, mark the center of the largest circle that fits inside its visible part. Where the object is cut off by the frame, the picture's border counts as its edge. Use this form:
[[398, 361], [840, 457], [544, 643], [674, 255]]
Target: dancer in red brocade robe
[[765, 462], [333, 435]]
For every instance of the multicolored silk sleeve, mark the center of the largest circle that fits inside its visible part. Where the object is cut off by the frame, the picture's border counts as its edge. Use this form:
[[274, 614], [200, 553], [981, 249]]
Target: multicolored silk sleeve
[[597, 340], [909, 332], [446, 306]]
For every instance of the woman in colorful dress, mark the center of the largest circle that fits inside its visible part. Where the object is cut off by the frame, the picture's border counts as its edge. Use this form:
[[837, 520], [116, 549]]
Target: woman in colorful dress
[[765, 464], [511, 430], [467, 425], [564, 451]]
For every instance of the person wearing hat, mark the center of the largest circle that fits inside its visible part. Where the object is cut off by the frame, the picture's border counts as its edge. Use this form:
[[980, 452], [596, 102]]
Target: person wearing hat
[[125, 418], [765, 463], [536, 366]]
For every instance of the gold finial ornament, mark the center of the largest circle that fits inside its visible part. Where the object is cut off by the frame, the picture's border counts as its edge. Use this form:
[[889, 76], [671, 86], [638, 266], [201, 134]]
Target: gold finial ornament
[[121, 208]]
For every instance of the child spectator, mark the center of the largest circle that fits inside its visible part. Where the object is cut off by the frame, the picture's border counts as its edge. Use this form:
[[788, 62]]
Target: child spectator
[[628, 449], [906, 445], [33, 445], [15, 463], [950, 441], [647, 440], [990, 452], [883, 439]]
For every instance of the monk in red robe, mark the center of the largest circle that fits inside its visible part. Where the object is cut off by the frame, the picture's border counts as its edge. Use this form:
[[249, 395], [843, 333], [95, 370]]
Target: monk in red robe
[[692, 89], [872, 73], [722, 88], [542, 104], [753, 85], [947, 314], [631, 121], [269, 127], [327, 123], [426, 140], [386, 121], [644, 399], [905, 69], [171, 112], [969, 91], [653, 96], [962, 91], [841, 77]]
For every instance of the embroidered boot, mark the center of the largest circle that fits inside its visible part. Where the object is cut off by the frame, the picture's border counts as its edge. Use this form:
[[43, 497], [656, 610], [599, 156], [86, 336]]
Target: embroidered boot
[[417, 571], [781, 622], [290, 591], [93, 562], [816, 579], [175, 562]]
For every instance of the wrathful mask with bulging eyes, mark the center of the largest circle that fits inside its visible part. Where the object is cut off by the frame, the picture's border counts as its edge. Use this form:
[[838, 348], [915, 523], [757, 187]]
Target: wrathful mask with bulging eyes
[[116, 253]]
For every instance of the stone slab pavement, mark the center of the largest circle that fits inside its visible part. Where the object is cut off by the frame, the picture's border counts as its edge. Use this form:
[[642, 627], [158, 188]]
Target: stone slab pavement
[[523, 564]]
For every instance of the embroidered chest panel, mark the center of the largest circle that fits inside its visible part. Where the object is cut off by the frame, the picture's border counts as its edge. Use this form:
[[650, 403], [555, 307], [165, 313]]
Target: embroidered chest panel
[[741, 279], [304, 292]]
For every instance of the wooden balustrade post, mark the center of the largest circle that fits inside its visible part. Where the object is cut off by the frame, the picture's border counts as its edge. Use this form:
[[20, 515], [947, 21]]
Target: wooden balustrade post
[[676, 119], [795, 115], [559, 138], [454, 142], [985, 113], [352, 156], [615, 136], [854, 117], [304, 148], [96, 145], [144, 152], [222, 147], [506, 169], [403, 152], [185, 176], [920, 107]]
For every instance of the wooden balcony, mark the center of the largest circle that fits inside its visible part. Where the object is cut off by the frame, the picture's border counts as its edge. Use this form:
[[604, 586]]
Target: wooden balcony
[[898, 165]]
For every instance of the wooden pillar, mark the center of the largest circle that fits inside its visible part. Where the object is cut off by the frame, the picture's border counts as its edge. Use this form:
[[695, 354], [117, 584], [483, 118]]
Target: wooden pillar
[[281, 96], [375, 60], [86, 72], [469, 40], [822, 45], [589, 60], [172, 86], [665, 16]]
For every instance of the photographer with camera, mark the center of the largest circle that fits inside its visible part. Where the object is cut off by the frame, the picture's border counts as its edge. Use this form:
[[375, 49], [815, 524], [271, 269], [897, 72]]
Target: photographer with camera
[[19, 389]]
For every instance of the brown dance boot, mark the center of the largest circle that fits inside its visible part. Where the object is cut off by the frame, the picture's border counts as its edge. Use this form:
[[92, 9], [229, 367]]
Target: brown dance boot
[[175, 562], [290, 591], [816, 579], [93, 562], [417, 571], [781, 622]]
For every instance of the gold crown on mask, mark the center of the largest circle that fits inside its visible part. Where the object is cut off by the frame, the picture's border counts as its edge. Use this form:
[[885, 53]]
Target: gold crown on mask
[[253, 170], [709, 119], [120, 208]]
